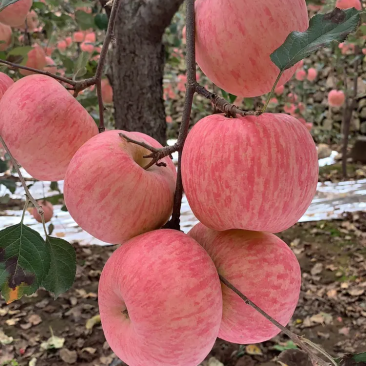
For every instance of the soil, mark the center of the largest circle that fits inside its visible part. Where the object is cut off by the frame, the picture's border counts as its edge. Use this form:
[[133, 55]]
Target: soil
[[331, 310]]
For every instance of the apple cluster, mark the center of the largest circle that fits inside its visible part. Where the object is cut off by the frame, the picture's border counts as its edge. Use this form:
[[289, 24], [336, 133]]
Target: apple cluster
[[247, 178]]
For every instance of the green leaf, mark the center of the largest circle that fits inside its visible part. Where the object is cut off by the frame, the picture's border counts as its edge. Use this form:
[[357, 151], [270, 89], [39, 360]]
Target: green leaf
[[286, 346], [232, 98], [3, 166], [24, 261], [84, 20], [20, 51], [5, 3], [9, 184], [323, 29], [352, 360], [101, 21], [62, 271], [80, 66], [54, 186]]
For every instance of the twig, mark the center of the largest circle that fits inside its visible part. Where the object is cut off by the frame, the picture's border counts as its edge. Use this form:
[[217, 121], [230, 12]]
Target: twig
[[16, 166], [295, 338], [222, 105]]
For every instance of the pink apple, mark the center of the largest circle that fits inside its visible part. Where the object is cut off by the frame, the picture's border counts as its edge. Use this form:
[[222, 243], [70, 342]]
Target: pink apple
[[250, 173], [51, 65], [312, 74], [228, 50], [279, 90], [346, 4], [108, 173], [300, 75], [36, 60], [49, 50], [336, 98], [309, 126], [293, 97], [160, 300], [169, 119], [87, 47], [48, 211], [62, 45], [68, 41], [264, 269], [90, 37], [107, 92], [5, 83], [43, 126], [15, 14], [289, 108], [273, 102], [79, 37], [31, 22], [5, 36]]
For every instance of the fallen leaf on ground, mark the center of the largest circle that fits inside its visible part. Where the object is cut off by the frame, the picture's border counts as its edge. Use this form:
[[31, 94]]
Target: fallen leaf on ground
[[92, 322], [68, 356], [53, 343], [253, 350]]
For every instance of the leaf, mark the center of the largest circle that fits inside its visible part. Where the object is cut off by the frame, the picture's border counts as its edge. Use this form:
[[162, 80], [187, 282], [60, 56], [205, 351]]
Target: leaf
[[5, 3], [3, 166], [285, 346], [253, 350], [24, 261], [84, 20], [323, 29], [53, 343], [80, 66], [9, 184], [63, 266], [352, 360], [92, 322], [101, 21]]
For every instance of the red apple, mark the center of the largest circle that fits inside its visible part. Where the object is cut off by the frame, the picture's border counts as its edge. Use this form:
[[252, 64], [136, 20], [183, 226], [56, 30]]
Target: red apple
[[43, 126], [31, 22], [107, 92], [336, 98], [346, 4], [160, 300], [36, 60], [15, 14], [250, 173], [90, 37], [5, 83], [228, 50], [5, 36], [68, 41], [87, 47], [280, 89], [110, 194], [48, 211], [62, 45], [264, 269]]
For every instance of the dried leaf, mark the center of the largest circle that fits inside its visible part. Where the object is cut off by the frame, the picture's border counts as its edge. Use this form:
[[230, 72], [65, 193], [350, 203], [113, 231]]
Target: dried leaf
[[34, 319], [32, 362], [53, 343], [356, 291], [92, 322], [214, 362], [318, 268], [68, 356], [253, 350]]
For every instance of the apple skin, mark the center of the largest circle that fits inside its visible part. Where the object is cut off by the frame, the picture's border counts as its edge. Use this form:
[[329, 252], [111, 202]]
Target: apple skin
[[171, 290], [15, 14], [227, 47], [249, 173], [264, 269], [48, 211], [5, 36], [44, 126], [347, 4], [336, 98], [109, 193], [5, 83], [312, 74]]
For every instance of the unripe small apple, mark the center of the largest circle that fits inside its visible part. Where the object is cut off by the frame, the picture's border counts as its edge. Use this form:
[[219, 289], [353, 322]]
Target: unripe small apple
[[68, 41], [90, 37], [51, 65], [48, 211], [62, 45], [347, 4], [312, 74], [336, 98]]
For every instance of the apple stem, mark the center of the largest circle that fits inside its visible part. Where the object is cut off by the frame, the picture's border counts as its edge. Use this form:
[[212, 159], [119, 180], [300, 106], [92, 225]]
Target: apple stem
[[300, 341]]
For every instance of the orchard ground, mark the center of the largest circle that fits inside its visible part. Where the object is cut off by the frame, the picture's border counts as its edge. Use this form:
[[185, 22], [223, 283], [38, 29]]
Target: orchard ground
[[331, 311]]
